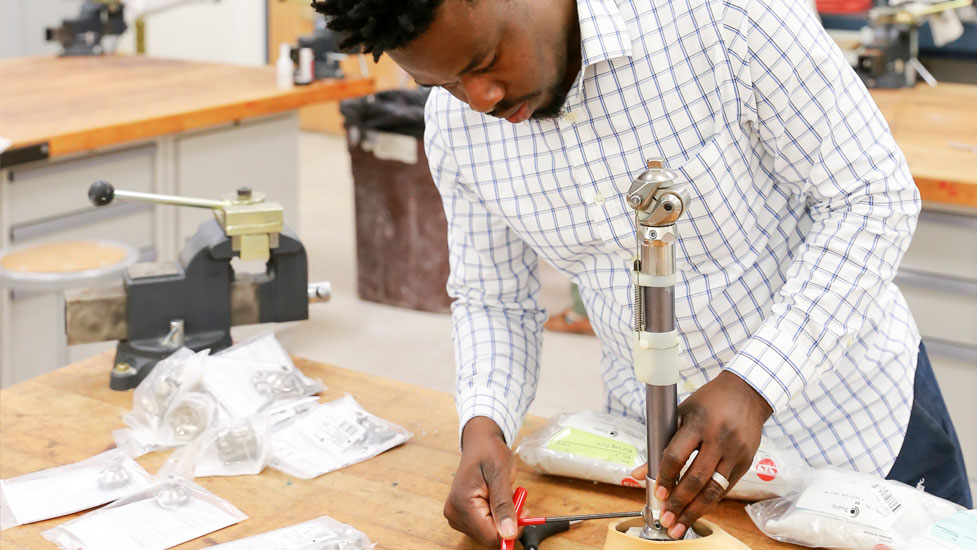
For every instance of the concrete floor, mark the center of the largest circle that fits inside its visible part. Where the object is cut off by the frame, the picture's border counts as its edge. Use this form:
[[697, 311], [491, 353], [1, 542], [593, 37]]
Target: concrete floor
[[398, 343]]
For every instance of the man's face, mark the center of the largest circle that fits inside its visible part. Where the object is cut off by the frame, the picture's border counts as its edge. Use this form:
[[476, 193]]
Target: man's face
[[511, 59]]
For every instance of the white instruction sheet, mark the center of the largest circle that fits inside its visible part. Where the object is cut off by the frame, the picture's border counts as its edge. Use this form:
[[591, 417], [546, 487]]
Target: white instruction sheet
[[67, 489], [144, 525]]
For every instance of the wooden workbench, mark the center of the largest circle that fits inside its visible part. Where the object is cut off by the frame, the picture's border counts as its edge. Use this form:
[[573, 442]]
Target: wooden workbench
[[74, 104], [924, 121], [395, 498]]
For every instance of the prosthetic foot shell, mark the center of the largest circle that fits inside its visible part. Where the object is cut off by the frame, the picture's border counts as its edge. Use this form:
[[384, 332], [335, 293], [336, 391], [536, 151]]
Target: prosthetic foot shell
[[712, 538]]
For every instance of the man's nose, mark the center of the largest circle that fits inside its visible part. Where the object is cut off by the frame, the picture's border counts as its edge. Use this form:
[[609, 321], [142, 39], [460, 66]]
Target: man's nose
[[483, 92]]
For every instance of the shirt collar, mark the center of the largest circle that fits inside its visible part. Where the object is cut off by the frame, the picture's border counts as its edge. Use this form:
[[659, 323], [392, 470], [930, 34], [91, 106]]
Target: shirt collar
[[603, 35]]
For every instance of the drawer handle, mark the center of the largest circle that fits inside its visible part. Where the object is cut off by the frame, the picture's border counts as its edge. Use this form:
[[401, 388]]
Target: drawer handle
[[951, 350], [919, 279], [948, 218], [33, 230]]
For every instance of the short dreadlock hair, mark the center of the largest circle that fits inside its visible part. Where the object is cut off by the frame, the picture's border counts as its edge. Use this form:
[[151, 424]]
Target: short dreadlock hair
[[376, 26]]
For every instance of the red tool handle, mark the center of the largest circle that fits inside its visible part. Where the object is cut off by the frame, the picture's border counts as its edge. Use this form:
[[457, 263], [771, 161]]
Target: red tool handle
[[532, 521], [518, 499]]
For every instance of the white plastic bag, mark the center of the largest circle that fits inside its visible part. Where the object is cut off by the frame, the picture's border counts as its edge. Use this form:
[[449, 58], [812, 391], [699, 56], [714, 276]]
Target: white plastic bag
[[955, 532], [265, 348], [235, 448], [245, 387], [178, 373], [607, 448], [850, 510], [587, 445], [166, 411], [67, 489], [322, 533], [165, 514], [332, 436]]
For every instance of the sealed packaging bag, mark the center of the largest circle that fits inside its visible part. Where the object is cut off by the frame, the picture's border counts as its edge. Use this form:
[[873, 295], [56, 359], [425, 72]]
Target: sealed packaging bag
[[842, 509], [607, 448], [321, 533], [587, 445], [331, 436]]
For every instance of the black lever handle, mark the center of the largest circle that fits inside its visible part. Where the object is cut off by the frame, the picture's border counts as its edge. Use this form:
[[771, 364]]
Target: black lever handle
[[101, 193]]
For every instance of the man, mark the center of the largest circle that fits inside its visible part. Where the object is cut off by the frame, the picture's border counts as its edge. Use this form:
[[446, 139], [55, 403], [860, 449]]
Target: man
[[801, 208]]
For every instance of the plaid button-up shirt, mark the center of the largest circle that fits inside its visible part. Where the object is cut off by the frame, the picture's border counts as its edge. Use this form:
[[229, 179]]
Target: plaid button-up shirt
[[801, 208]]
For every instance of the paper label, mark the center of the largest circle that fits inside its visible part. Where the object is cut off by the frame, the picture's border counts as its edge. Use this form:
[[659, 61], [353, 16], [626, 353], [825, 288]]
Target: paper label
[[956, 532], [335, 430], [145, 525], [579, 442], [873, 506]]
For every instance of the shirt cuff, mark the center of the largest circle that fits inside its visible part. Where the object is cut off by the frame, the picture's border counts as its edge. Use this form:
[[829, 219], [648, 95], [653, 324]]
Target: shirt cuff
[[781, 359], [495, 407]]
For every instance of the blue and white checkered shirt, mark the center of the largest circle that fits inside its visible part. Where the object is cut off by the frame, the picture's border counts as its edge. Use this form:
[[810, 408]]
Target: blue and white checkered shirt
[[802, 206]]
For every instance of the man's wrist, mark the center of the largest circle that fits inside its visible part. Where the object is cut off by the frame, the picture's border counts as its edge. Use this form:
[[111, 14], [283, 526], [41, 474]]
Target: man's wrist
[[480, 428], [745, 388]]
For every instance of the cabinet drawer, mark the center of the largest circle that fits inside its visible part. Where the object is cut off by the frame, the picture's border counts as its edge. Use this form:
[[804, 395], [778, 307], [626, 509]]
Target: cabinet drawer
[[49, 191], [944, 244], [130, 224], [943, 308]]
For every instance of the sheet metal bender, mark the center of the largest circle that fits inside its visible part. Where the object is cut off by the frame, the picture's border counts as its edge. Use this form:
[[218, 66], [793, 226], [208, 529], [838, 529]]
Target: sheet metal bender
[[195, 301], [658, 205]]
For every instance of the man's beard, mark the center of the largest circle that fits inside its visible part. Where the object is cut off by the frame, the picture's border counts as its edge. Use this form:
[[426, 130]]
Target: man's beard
[[558, 93], [554, 108]]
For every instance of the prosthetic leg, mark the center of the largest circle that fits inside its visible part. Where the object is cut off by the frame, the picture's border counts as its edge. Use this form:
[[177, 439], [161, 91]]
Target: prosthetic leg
[[658, 205]]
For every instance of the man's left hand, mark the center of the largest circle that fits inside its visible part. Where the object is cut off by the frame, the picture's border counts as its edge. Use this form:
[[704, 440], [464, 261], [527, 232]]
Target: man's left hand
[[724, 421]]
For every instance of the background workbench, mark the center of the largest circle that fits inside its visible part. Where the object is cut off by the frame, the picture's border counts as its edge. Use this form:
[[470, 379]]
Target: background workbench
[[925, 122], [143, 124], [396, 498]]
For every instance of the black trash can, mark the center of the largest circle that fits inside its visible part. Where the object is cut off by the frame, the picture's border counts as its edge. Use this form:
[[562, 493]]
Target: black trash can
[[401, 232]]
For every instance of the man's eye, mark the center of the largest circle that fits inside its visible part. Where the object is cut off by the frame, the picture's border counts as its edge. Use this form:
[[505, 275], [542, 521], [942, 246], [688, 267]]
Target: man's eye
[[490, 64]]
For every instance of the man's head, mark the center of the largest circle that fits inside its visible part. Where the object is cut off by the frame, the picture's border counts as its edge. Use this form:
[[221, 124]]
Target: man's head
[[506, 58]]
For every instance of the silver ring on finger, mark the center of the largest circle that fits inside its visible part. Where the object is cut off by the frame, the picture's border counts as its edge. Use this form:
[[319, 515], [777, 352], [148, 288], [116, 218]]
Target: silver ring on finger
[[721, 480]]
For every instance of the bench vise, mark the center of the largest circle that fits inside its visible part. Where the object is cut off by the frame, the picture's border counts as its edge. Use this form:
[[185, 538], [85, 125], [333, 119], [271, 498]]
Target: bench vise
[[193, 302]]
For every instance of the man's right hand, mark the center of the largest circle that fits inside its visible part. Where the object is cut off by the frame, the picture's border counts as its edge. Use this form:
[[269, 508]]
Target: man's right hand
[[480, 502]]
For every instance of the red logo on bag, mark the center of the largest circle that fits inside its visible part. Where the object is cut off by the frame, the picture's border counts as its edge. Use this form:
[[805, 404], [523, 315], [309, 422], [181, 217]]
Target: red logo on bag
[[629, 482], [766, 469]]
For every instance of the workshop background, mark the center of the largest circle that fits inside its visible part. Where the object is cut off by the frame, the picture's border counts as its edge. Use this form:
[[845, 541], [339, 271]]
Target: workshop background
[[300, 156]]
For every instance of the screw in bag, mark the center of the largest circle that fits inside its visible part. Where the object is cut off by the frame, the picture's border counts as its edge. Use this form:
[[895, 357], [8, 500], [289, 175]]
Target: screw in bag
[[163, 390], [190, 415], [237, 444], [113, 476], [278, 383], [172, 494]]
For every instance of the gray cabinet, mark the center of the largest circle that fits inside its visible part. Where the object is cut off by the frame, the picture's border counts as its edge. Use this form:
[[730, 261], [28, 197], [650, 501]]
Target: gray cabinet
[[938, 277]]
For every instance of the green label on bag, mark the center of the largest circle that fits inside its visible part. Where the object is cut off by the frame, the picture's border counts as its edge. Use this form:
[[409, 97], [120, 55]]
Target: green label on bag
[[579, 442]]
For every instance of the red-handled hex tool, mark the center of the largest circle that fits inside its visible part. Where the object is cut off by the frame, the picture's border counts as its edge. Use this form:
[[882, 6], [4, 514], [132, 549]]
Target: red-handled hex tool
[[518, 499], [538, 528]]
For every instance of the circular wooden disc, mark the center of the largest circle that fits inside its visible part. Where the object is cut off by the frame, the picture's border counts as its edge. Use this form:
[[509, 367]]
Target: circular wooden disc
[[63, 257]]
